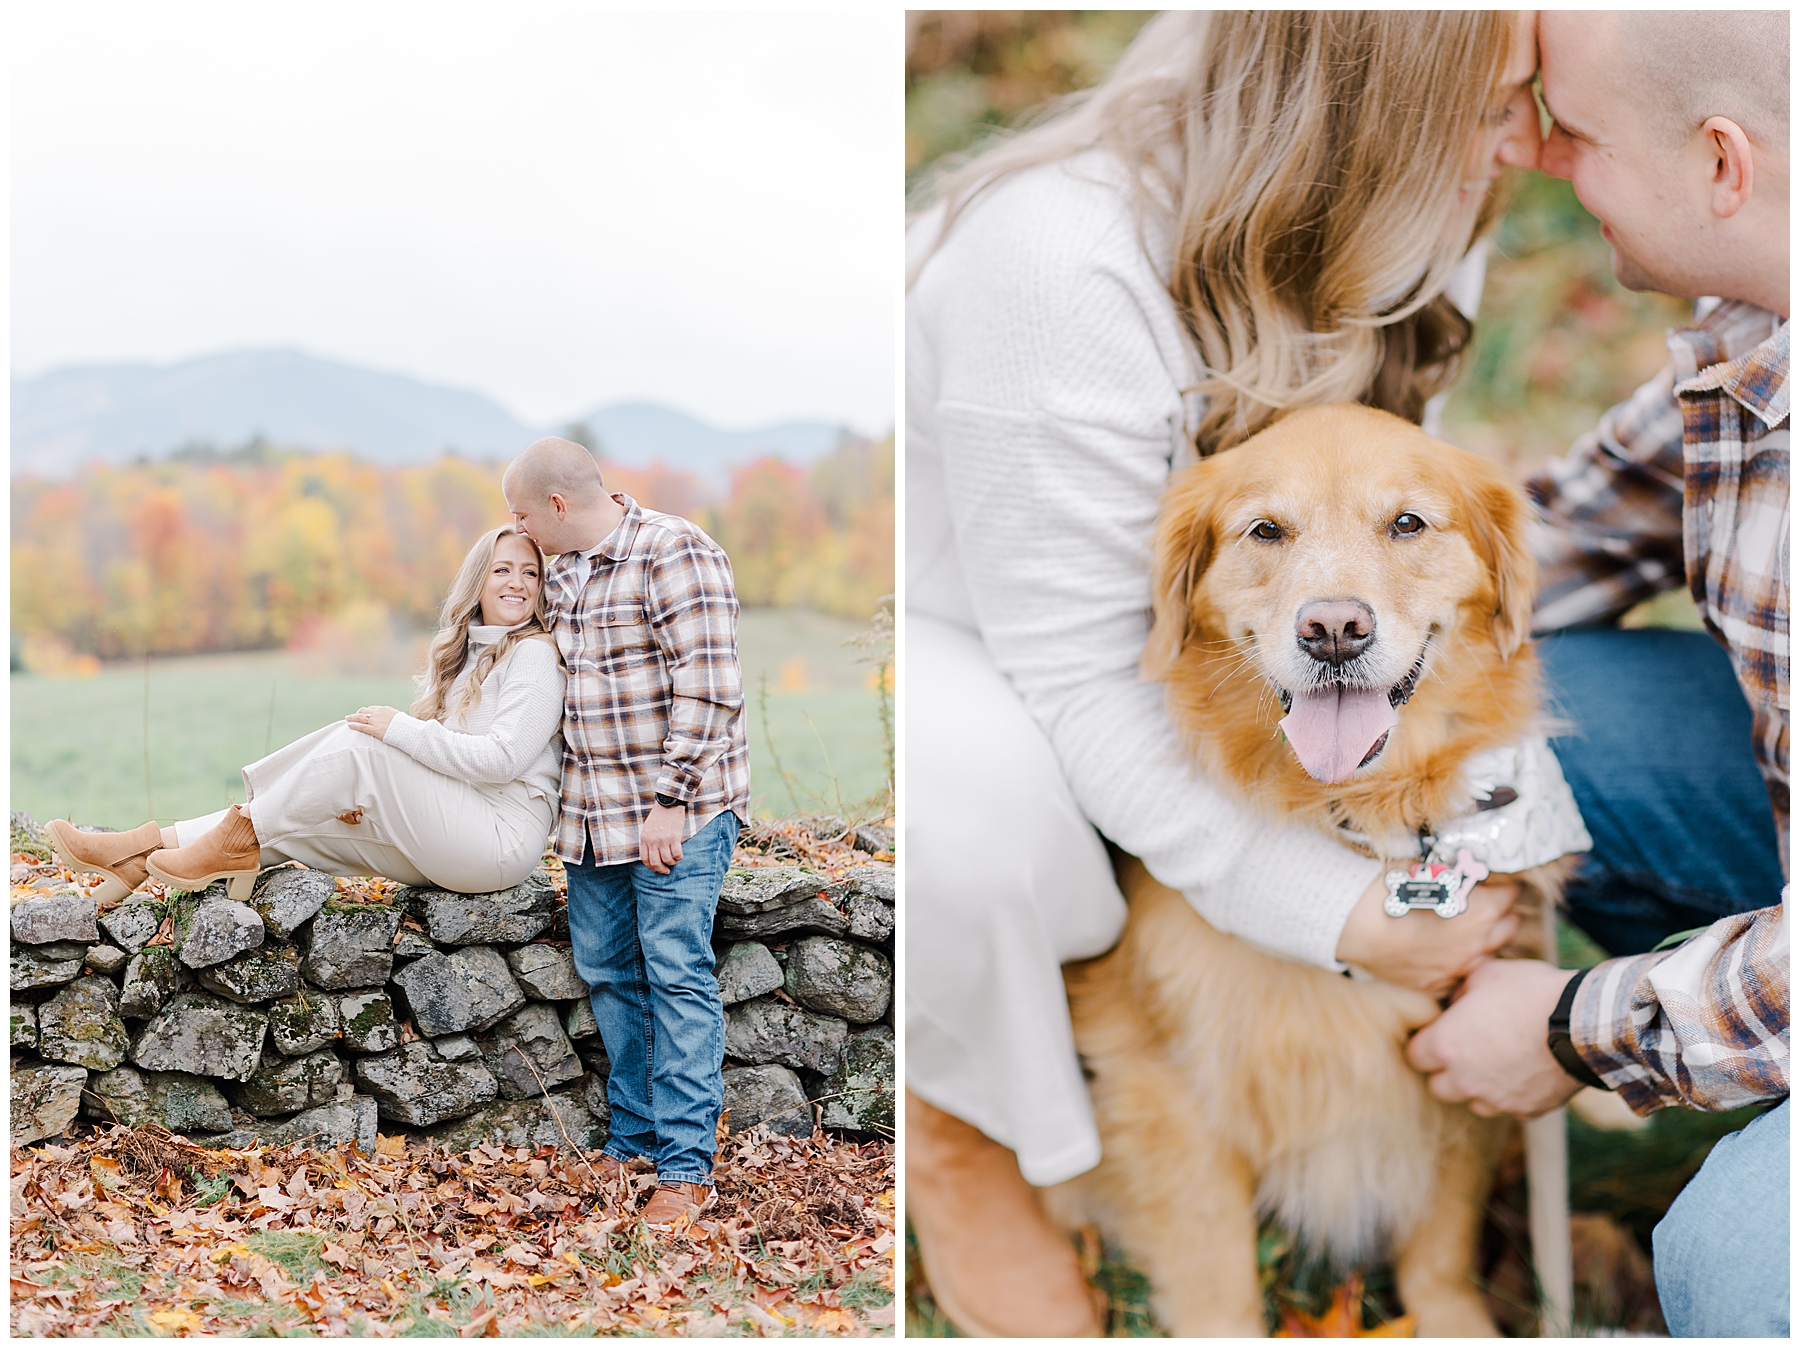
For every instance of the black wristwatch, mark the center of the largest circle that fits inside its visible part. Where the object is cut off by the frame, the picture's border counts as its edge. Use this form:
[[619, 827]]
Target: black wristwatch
[[1562, 1047], [669, 802]]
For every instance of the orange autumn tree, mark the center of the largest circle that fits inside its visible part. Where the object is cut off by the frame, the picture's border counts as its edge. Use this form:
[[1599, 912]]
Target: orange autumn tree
[[819, 537], [198, 553], [179, 557]]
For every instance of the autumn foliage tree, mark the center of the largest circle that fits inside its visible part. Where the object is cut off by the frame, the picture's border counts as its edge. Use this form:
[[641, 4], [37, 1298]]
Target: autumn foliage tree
[[819, 537], [241, 552]]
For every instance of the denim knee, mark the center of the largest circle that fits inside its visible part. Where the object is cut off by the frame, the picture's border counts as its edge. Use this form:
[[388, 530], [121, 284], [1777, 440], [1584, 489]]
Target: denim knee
[[1721, 1252], [1659, 754]]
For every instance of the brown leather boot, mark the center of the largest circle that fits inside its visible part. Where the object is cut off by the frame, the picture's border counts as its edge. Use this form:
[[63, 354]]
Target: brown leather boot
[[609, 1168], [117, 856], [996, 1265], [228, 851], [671, 1202]]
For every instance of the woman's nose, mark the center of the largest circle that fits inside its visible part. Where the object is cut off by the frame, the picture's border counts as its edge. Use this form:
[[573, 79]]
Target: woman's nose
[[1520, 147]]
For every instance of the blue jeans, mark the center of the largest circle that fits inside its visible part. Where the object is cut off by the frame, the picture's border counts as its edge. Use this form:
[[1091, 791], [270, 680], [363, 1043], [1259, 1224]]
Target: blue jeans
[[643, 945], [1661, 764], [1722, 1250], [1660, 760]]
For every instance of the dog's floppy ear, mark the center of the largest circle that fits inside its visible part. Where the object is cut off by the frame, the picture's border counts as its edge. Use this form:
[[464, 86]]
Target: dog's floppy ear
[[1497, 513], [1180, 554]]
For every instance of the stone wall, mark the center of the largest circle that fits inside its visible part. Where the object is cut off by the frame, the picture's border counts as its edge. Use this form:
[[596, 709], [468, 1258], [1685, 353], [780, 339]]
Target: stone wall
[[301, 1015]]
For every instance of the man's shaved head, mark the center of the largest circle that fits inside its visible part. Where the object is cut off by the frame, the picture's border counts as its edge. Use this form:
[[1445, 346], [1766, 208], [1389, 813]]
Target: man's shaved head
[[1673, 129], [554, 492], [1683, 66], [554, 466]]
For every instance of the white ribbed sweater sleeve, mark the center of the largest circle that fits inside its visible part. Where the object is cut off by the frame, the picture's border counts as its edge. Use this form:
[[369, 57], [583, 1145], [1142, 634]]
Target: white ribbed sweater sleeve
[[521, 708], [1049, 367]]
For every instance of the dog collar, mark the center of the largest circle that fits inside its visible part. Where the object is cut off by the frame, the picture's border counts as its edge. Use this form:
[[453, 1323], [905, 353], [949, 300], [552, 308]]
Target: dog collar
[[1520, 814]]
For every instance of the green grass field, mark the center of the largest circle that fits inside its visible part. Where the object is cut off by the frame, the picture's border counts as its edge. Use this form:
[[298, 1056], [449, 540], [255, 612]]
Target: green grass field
[[79, 744]]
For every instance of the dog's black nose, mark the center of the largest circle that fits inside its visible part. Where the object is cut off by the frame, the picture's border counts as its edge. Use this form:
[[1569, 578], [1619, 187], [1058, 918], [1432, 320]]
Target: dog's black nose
[[1335, 630]]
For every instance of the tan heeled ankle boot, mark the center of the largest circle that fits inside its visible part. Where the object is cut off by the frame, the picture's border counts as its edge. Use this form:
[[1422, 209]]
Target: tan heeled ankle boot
[[228, 851], [996, 1265], [117, 856]]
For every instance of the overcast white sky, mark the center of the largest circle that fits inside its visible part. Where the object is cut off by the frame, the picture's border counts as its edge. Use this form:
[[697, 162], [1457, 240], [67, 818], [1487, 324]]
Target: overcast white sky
[[558, 207]]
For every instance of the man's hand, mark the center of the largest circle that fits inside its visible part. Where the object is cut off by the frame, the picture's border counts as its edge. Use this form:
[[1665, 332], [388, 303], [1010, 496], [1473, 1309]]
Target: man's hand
[[659, 842], [372, 720], [1423, 951], [1489, 1048]]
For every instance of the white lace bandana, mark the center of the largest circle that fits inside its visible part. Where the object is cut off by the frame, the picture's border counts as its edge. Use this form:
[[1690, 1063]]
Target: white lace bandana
[[1539, 824]]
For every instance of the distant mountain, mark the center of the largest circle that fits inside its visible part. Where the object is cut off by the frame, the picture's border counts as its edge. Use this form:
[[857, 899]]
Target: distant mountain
[[115, 413], [641, 433], [68, 417]]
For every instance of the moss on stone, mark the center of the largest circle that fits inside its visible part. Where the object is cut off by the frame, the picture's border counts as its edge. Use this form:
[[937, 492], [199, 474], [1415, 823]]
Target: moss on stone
[[299, 1012], [342, 907], [303, 1022], [860, 1094], [182, 908], [159, 962]]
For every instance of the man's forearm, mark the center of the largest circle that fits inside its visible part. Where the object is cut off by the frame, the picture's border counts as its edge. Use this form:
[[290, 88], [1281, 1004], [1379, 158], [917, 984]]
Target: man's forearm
[[694, 743], [693, 613], [1704, 1025], [1609, 527]]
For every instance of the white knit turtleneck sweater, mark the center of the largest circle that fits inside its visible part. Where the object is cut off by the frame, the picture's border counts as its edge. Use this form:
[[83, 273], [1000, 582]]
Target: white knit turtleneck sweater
[[1045, 369], [514, 734]]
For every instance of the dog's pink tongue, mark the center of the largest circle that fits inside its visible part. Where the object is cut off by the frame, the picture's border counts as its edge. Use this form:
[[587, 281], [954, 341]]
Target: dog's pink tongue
[[1332, 729]]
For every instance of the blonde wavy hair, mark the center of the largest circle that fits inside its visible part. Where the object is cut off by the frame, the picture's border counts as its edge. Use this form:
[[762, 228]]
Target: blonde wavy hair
[[462, 610], [1307, 167]]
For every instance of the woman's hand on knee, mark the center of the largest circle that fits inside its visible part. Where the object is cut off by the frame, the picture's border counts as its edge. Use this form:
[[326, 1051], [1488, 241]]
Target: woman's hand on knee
[[372, 720], [1422, 950]]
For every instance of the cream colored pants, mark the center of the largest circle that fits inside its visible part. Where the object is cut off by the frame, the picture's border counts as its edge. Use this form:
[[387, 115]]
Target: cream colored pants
[[415, 824], [1006, 881]]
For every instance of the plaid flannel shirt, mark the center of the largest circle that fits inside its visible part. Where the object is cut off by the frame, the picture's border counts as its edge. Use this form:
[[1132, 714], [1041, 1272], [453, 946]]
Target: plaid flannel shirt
[[1704, 1025], [1689, 476], [655, 700]]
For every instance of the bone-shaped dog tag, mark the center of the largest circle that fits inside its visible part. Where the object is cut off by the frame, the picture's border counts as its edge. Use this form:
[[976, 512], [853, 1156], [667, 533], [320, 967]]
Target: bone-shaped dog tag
[[1426, 884]]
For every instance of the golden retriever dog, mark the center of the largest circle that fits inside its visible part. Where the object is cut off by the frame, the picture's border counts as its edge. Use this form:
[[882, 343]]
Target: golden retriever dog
[[1341, 612]]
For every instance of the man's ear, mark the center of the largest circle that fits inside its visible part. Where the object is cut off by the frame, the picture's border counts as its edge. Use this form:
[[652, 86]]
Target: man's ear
[[1182, 550], [1497, 513], [559, 505], [1733, 165]]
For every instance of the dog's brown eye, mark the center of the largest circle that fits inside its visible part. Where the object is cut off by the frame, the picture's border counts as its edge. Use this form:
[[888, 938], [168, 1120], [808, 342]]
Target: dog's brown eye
[[1408, 524], [1267, 530]]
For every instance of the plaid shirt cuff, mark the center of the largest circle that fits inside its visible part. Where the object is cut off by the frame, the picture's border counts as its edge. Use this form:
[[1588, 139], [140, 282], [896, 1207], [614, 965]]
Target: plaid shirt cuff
[[1704, 1025]]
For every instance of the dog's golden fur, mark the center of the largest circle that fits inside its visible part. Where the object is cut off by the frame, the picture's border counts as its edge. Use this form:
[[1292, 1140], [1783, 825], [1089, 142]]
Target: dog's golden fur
[[1226, 1081]]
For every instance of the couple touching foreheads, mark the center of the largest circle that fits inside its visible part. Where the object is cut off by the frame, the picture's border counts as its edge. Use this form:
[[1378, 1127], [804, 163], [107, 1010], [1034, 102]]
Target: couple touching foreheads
[[596, 701]]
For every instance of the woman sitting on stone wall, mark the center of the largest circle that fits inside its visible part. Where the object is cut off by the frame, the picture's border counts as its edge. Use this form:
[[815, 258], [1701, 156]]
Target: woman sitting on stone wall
[[460, 795]]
